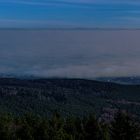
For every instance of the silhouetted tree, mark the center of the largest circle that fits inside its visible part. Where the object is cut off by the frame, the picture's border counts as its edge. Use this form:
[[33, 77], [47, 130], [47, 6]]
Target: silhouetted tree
[[124, 127], [6, 127], [92, 128], [56, 124]]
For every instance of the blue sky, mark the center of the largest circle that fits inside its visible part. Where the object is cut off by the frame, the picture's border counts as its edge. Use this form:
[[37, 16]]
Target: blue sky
[[70, 13]]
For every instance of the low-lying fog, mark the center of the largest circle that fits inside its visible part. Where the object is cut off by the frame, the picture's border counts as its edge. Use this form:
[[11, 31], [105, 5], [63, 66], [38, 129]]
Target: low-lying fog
[[70, 53]]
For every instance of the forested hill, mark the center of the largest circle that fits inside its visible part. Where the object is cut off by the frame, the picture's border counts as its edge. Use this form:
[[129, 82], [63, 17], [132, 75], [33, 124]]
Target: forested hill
[[69, 96]]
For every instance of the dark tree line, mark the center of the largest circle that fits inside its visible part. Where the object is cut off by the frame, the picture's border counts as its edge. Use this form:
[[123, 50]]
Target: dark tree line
[[31, 127]]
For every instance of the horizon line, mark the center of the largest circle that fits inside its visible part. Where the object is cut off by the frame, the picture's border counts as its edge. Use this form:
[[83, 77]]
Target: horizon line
[[68, 28]]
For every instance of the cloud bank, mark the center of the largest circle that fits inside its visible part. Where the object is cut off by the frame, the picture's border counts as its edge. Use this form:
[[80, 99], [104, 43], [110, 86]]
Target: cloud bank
[[70, 53], [44, 2]]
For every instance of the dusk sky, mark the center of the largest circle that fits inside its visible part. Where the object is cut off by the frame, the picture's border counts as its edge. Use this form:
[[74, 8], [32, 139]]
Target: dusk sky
[[70, 13]]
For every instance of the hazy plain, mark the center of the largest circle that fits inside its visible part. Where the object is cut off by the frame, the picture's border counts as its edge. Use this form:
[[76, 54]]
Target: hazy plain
[[70, 53]]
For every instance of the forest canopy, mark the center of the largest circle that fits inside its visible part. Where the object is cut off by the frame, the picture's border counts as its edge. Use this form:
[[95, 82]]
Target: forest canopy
[[33, 127]]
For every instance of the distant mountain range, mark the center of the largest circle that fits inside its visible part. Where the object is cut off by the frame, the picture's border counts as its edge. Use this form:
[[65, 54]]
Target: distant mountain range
[[132, 80], [122, 80]]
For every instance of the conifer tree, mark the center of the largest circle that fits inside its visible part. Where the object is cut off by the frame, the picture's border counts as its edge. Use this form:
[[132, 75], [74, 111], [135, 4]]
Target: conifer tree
[[124, 127], [92, 128]]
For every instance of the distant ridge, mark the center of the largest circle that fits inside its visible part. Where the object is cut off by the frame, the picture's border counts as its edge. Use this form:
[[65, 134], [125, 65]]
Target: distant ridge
[[132, 80]]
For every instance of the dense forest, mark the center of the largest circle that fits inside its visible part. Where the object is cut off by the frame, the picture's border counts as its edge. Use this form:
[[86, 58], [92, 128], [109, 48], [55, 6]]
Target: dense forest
[[28, 110], [71, 97], [56, 127]]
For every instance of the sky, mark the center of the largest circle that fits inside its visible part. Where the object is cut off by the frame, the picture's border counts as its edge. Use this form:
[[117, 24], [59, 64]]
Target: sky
[[70, 13], [70, 53]]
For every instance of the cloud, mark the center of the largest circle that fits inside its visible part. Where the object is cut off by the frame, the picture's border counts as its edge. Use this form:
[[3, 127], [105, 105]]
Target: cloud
[[70, 13], [102, 1], [52, 2], [74, 53], [22, 2], [87, 71], [29, 23]]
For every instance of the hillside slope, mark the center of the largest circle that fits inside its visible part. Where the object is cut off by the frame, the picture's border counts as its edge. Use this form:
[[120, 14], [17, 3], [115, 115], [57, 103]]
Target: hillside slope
[[69, 96]]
